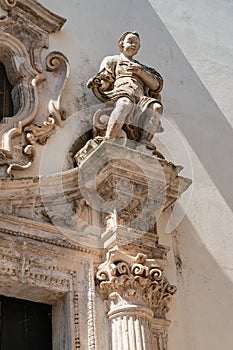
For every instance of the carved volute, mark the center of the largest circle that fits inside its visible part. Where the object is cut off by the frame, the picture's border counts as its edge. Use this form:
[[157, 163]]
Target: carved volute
[[124, 280], [24, 32], [137, 295]]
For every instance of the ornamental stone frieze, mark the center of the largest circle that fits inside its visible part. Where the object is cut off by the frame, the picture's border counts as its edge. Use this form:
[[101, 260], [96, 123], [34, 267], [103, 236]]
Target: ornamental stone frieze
[[36, 88], [68, 216]]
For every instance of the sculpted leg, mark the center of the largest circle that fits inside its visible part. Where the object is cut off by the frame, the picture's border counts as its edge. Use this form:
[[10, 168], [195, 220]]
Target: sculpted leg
[[117, 118], [151, 122]]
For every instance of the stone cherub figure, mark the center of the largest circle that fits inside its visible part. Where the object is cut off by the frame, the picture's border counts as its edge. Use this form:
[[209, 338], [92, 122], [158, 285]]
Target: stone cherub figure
[[133, 89]]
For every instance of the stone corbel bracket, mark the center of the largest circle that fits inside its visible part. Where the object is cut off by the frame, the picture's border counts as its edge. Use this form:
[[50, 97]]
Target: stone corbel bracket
[[134, 185], [36, 91]]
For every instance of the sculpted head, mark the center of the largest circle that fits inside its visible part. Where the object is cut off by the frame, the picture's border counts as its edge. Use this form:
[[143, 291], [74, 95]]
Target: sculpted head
[[129, 43]]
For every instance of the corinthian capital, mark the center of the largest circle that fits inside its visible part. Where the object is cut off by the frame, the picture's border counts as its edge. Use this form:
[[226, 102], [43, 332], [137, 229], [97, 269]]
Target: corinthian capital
[[125, 281]]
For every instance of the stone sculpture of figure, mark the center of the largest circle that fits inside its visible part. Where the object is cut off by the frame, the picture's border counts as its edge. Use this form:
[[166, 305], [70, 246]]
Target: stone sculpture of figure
[[133, 88]]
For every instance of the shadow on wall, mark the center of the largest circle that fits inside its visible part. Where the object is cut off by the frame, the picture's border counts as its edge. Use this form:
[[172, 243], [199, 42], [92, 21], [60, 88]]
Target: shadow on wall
[[186, 99], [204, 297], [190, 105]]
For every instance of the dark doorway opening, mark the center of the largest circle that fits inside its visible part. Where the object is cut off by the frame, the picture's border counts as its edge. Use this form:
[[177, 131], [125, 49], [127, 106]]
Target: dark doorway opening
[[6, 105], [25, 325]]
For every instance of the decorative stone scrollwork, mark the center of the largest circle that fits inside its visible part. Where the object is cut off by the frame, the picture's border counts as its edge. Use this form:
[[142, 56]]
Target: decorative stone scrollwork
[[138, 280], [136, 293], [40, 133], [58, 65], [8, 4], [36, 91]]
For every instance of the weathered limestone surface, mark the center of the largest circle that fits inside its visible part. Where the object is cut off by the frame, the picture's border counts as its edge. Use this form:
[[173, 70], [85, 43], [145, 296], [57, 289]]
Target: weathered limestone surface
[[135, 90], [36, 92], [137, 294], [88, 237], [62, 234]]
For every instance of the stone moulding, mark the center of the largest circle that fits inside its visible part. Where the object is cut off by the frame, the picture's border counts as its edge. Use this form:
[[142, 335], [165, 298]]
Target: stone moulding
[[137, 186], [24, 33], [117, 260], [42, 273], [42, 232], [76, 200], [35, 13]]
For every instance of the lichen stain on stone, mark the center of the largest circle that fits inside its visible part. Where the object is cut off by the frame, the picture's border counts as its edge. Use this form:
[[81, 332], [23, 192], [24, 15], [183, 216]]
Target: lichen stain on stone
[[179, 264]]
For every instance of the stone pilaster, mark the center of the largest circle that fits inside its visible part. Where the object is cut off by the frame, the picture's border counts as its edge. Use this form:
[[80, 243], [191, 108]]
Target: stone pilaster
[[129, 190]]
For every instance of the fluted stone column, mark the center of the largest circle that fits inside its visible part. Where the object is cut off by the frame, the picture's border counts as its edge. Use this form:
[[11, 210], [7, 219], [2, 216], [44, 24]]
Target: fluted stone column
[[131, 328]]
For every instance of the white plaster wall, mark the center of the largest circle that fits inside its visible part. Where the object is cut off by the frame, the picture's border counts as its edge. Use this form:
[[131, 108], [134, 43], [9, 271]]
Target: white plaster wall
[[190, 43]]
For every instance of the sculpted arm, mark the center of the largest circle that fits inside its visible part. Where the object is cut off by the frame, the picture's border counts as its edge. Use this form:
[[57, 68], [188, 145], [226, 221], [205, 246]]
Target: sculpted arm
[[105, 77], [152, 81]]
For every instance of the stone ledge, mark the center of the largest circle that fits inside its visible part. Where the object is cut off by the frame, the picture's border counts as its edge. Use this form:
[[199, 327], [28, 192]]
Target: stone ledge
[[154, 177], [134, 241]]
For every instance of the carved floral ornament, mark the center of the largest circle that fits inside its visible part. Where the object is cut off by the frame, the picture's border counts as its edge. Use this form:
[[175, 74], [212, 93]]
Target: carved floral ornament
[[24, 33], [124, 280]]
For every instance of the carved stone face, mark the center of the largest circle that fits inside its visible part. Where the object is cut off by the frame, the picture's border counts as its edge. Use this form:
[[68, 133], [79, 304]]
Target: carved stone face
[[131, 45]]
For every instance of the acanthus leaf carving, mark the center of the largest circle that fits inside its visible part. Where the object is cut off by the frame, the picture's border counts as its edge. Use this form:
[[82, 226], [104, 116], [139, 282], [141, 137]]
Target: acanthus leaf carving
[[40, 133], [125, 280]]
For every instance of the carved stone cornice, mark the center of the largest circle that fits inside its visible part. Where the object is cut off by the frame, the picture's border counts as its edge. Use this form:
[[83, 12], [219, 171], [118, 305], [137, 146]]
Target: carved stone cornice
[[54, 199], [71, 200], [35, 13], [44, 233], [132, 241], [137, 186], [124, 281]]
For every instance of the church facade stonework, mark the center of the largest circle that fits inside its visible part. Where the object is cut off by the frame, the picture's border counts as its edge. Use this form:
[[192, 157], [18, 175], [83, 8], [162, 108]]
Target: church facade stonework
[[85, 261], [85, 240], [36, 93]]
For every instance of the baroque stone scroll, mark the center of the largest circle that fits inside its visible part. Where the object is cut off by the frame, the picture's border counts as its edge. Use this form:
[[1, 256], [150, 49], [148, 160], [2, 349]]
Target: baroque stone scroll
[[36, 90]]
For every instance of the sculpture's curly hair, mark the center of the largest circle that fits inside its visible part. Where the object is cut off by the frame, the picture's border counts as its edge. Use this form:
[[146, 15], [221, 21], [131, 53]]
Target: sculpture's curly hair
[[122, 37]]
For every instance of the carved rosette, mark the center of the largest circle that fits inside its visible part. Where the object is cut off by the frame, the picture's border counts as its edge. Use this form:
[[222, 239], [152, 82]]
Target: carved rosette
[[136, 293]]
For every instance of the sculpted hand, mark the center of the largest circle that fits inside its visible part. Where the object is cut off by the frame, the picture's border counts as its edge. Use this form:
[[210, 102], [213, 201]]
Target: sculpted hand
[[135, 68]]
